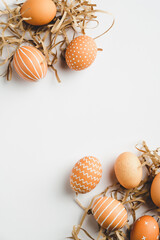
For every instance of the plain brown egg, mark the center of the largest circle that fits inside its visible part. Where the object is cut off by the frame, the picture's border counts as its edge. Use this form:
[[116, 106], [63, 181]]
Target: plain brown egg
[[155, 190], [41, 11], [128, 170]]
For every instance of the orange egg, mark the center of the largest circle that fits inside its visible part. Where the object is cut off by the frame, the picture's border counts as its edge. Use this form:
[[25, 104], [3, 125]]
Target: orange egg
[[30, 63], [155, 190], [81, 53], [109, 213], [128, 170], [86, 174], [145, 228], [40, 11]]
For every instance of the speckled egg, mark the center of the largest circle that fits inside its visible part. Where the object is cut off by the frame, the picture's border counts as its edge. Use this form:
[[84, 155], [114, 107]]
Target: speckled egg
[[128, 170], [81, 53], [86, 174], [41, 12], [109, 213], [155, 190], [30, 63], [145, 228]]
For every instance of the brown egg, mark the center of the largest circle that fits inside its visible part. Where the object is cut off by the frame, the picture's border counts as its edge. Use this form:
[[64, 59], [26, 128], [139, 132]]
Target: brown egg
[[81, 53], [30, 63], [155, 190], [128, 170], [86, 174], [109, 213], [145, 228], [41, 11]]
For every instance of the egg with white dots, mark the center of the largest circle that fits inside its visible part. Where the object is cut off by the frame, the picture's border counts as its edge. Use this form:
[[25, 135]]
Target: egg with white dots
[[145, 228], [81, 53]]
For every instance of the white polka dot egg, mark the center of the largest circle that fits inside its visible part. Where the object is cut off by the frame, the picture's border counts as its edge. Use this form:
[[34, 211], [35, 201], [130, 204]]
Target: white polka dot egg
[[81, 52]]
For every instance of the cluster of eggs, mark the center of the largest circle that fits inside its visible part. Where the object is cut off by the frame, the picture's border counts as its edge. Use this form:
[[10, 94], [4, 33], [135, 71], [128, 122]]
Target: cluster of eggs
[[108, 212], [85, 176], [29, 62]]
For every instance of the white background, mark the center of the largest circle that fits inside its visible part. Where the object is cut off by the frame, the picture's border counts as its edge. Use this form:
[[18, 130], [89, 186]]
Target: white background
[[46, 127]]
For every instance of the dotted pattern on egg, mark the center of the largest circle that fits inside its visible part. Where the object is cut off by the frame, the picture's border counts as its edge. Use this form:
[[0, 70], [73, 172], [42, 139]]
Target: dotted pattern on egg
[[30, 63], [86, 174], [109, 213], [81, 53]]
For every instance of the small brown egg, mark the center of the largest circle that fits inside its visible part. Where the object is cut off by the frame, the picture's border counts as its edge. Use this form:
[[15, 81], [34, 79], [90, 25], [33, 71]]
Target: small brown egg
[[155, 190], [40, 11], [81, 53], [128, 170], [145, 228]]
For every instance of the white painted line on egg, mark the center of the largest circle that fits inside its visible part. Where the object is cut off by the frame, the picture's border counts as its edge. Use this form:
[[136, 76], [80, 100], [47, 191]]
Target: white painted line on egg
[[26, 65], [35, 58], [100, 206], [100, 198], [119, 221], [40, 55], [115, 218], [20, 74], [110, 213], [22, 69], [105, 209]]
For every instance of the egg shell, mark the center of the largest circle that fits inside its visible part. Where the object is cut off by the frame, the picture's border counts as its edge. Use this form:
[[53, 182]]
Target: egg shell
[[109, 213], [41, 11], [128, 170], [155, 190], [86, 174], [81, 53], [30, 63], [145, 228]]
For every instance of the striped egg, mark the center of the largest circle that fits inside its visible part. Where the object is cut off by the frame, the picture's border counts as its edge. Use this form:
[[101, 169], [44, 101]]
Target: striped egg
[[109, 213], [30, 63], [81, 53], [86, 174]]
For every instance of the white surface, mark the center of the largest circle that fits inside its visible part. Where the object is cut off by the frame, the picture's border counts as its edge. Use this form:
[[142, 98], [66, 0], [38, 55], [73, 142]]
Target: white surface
[[46, 127]]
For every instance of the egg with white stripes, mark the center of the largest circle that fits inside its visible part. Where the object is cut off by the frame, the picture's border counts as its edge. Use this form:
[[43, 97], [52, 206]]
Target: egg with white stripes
[[86, 174], [30, 63], [109, 213]]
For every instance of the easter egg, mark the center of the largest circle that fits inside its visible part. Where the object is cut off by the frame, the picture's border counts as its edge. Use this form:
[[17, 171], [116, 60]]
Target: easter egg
[[155, 190], [128, 170], [41, 12], [30, 63], [86, 174], [109, 213], [145, 228], [81, 52]]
